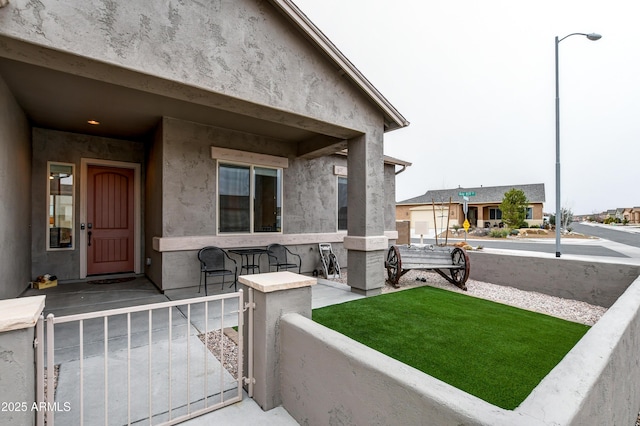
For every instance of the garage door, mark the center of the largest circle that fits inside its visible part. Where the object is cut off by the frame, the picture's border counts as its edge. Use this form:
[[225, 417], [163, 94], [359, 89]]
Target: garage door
[[424, 215]]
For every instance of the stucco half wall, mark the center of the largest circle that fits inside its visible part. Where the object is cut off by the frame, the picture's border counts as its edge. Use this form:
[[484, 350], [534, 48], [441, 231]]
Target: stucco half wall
[[327, 378], [597, 283]]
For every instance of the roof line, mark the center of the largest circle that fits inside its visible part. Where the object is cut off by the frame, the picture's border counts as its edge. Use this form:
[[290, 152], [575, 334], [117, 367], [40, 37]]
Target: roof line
[[313, 32], [387, 159]]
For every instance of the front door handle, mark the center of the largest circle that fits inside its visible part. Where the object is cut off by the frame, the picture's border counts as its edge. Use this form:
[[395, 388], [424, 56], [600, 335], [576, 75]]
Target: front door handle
[[89, 235]]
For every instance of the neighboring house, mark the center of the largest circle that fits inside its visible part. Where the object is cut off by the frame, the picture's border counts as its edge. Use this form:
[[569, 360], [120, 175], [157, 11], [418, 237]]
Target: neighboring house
[[134, 133], [634, 215], [438, 208]]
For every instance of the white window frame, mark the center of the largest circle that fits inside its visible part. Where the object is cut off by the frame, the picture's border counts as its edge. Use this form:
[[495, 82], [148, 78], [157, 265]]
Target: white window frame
[[250, 159], [338, 202], [251, 197], [340, 172], [529, 214], [73, 207]]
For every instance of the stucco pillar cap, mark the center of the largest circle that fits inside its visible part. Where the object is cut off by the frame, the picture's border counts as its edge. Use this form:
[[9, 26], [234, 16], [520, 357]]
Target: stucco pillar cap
[[275, 281], [20, 313]]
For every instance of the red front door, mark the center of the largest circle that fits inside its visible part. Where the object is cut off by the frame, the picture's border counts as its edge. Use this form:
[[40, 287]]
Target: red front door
[[110, 224]]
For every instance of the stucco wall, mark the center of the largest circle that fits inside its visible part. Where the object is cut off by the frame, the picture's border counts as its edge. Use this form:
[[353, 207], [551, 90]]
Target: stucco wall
[[50, 145], [597, 283], [189, 200], [598, 381], [403, 213], [181, 268], [153, 205], [389, 197], [311, 195], [189, 181], [245, 49], [15, 203], [327, 378], [17, 377], [189, 173]]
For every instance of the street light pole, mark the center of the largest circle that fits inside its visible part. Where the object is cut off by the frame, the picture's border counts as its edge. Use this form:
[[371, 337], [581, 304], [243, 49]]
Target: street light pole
[[592, 37]]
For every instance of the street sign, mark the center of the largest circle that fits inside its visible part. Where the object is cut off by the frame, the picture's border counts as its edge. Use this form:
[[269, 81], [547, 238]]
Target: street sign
[[467, 194], [465, 208], [466, 225]]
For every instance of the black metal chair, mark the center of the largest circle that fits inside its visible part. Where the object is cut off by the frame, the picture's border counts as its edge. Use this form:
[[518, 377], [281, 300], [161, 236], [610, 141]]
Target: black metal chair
[[281, 257], [215, 262]]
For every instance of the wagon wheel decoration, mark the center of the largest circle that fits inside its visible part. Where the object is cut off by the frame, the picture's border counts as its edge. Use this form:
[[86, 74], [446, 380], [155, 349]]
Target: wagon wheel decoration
[[334, 267], [460, 258], [394, 266]]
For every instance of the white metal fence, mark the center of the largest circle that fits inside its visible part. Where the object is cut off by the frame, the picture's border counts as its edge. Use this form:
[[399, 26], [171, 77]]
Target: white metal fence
[[152, 364]]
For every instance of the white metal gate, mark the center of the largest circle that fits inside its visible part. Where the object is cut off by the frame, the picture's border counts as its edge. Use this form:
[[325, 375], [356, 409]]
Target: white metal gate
[[152, 364]]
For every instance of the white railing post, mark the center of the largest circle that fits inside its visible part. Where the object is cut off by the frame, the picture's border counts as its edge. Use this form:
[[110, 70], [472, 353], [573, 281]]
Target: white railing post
[[240, 360], [39, 346], [50, 368]]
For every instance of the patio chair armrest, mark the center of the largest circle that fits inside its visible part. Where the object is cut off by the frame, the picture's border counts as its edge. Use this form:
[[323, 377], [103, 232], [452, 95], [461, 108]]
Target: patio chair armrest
[[294, 254]]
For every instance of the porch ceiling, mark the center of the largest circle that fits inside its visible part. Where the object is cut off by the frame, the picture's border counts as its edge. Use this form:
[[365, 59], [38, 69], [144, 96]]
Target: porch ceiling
[[65, 101]]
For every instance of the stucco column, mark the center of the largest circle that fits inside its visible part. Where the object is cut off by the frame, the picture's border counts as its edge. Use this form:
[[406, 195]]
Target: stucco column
[[18, 318], [365, 241], [273, 294]]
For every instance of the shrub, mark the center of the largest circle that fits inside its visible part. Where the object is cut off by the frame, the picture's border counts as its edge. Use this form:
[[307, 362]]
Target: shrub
[[514, 232], [498, 233]]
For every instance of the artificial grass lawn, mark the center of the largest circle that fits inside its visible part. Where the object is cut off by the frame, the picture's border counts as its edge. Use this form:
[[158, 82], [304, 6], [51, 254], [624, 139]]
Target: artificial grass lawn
[[496, 352]]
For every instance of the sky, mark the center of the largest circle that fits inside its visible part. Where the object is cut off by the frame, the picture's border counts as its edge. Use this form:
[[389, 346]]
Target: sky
[[476, 80]]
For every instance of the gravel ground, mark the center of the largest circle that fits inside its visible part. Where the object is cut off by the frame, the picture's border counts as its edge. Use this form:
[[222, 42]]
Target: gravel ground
[[229, 349], [56, 373], [570, 310]]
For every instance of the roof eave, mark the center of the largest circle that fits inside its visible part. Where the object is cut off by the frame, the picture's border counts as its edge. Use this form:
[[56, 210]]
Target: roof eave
[[393, 119]]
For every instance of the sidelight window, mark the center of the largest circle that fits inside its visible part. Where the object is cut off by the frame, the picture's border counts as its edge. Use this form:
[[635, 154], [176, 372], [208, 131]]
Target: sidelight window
[[60, 193], [342, 203]]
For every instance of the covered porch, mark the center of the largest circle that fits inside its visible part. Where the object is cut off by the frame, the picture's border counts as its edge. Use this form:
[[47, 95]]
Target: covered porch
[[173, 126]]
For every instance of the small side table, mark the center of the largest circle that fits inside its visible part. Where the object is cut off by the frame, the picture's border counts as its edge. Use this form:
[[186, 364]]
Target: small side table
[[245, 253]]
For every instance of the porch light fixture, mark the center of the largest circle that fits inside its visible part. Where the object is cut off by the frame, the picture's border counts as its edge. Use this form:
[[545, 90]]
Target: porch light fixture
[[93, 122], [592, 37]]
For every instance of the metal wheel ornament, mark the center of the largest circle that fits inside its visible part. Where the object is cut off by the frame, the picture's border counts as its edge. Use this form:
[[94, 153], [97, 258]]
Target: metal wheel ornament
[[394, 266], [334, 266], [459, 276]]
